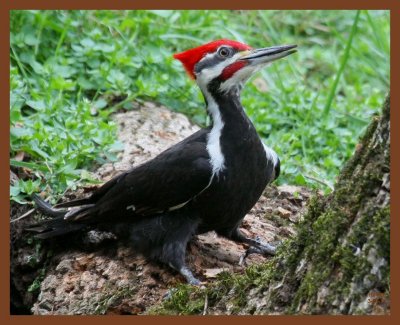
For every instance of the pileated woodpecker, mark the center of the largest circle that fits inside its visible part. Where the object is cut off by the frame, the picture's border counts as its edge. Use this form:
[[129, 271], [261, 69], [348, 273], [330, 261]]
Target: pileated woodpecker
[[208, 181]]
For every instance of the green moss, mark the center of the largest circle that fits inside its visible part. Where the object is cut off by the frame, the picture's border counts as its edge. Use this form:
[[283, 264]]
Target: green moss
[[189, 300], [354, 161], [381, 229], [184, 300], [354, 268], [35, 285]]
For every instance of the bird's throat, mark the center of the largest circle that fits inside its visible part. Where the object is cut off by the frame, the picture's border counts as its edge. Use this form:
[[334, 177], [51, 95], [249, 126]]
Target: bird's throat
[[228, 116]]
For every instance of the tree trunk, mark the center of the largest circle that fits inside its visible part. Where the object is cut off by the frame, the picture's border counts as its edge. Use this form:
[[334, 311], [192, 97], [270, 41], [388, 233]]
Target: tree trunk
[[339, 262]]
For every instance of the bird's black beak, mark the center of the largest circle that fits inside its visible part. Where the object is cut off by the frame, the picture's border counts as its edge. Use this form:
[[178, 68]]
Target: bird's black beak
[[268, 54]]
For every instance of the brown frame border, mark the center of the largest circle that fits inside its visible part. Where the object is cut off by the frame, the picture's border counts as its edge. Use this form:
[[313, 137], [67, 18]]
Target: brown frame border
[[6, 5]]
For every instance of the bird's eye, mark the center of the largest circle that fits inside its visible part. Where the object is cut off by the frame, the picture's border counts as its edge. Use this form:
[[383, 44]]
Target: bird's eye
[[223, 52]]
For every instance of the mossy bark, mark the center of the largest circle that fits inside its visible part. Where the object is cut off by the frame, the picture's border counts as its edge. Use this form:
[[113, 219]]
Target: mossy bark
[[339, 262]]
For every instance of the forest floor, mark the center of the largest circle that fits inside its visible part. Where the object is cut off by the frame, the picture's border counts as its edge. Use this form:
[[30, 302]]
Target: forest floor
[[98, 275]]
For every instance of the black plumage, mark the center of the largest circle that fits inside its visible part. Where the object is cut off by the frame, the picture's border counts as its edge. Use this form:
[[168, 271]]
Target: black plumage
[[209, 181]]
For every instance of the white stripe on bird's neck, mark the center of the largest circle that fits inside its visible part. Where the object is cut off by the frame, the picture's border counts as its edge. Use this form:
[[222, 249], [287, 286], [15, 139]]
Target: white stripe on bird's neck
[[271, 154], [203, 78], [217, 158]]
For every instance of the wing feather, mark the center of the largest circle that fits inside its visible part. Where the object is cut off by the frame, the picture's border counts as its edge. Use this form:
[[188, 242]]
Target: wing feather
[[168, 181]]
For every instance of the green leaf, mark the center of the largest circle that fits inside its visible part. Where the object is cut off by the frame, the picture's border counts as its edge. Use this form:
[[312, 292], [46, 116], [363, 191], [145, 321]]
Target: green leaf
[[34, 148], [100, 103], [161, 13], [30, 165], [37, 104], [14, 190], [20, 132], [87, 42], [20, 199], [31, 39], [300, 180], [117, 146]]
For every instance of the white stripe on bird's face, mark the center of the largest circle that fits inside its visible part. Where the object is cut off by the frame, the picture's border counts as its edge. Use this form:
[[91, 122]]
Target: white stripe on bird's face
[[207, 74], [238, 78]]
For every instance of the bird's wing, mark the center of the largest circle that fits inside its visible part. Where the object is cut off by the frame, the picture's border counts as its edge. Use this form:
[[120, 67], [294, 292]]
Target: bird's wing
[[166, 182]]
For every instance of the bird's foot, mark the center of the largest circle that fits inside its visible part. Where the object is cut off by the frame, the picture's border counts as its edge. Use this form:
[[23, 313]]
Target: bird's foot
[[190, 278], [259, 247]]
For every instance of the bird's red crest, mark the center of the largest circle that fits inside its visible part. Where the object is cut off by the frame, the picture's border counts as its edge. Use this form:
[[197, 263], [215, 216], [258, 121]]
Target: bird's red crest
[[190, 57]]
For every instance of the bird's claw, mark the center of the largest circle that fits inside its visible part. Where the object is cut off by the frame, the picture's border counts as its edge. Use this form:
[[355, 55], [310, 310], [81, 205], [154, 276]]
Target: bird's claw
[[190, 278], [261, 248]]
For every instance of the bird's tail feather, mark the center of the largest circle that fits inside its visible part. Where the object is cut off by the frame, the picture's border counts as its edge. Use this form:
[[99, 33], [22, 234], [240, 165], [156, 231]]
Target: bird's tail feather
[[74, 203], [56, 226], [46, 208]]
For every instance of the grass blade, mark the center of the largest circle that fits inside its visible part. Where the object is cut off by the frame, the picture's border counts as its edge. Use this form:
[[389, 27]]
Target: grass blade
[[30, 165], [345, 57]]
